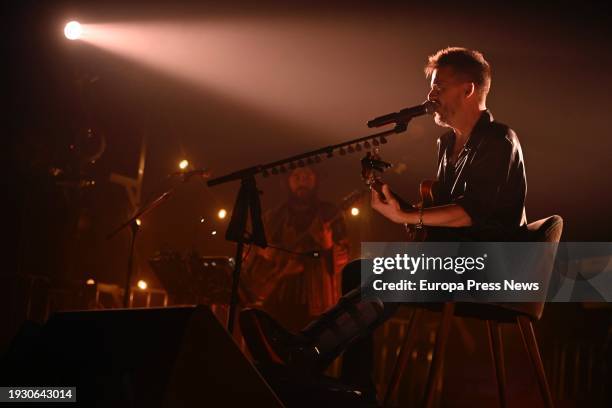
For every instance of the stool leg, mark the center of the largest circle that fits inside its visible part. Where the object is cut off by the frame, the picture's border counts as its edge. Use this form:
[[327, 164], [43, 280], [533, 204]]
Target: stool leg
[[402, 359], [531, 345], [497, 353], [438, 354]]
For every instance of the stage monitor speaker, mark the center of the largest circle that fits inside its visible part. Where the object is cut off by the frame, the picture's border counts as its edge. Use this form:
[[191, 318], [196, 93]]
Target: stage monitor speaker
[[162, 357]]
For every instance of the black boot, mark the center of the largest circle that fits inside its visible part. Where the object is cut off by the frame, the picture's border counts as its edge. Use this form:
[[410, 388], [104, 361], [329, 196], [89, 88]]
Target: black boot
[[268, 342], [319, 343]]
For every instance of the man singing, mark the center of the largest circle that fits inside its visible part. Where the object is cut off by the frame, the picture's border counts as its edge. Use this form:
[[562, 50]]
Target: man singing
[[479, 196]]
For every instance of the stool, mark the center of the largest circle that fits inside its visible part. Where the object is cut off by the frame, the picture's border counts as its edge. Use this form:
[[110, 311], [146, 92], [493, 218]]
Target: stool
[[522, 314]]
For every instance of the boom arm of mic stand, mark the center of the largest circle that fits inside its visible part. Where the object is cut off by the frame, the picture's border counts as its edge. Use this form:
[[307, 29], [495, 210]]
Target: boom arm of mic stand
[[254, 170]]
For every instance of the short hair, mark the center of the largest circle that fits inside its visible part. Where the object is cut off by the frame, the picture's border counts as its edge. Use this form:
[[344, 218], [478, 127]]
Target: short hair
[[468, 63]]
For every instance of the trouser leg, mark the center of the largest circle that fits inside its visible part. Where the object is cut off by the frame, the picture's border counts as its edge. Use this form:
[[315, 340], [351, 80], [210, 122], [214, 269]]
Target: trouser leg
[[349, 324]]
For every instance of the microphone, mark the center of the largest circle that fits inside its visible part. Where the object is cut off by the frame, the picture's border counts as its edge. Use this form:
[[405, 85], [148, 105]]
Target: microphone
[[404, 115]]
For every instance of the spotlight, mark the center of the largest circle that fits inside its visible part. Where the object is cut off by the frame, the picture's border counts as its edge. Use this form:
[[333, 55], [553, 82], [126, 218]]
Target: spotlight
[[138, 222], [90, 282], [222, 213], [142, 284], [354, 211], [202, 220], [183, 164], [73, 30], [213, 233]]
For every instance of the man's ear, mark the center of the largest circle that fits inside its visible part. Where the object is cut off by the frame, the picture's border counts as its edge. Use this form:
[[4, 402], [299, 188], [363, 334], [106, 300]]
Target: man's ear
[[470, 89]]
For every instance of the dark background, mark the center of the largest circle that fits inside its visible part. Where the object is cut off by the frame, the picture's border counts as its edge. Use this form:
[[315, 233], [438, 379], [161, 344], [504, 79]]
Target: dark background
[[303, 75]]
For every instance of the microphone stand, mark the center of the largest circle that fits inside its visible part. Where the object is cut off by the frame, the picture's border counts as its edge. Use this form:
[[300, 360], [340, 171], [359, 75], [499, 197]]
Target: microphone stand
[[247, 201], [132, 222]]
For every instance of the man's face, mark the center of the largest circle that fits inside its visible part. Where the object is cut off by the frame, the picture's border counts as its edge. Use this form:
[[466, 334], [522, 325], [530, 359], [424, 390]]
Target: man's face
[[449, 92], [302, 182]]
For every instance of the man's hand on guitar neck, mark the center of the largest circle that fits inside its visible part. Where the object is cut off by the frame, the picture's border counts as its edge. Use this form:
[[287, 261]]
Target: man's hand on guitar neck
[[388, 205], [451, 215]]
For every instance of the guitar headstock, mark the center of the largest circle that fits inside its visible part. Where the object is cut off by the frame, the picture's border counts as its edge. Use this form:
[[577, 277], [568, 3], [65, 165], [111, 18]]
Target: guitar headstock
[[371, 168]]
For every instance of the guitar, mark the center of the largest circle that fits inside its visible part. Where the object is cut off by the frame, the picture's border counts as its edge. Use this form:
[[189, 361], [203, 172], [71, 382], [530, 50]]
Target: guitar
[[372, 166], [264, 275]]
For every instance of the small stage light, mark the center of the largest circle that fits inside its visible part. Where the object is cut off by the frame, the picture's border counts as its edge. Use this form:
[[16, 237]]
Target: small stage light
[[222, 213], [138, 222], [73, 30], [183, 164], [90, 282], [213, 233], [354, 211], [142, 284], [202, 220]]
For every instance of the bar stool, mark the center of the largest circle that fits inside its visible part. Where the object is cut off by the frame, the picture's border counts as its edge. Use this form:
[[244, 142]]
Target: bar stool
[[522, 314]]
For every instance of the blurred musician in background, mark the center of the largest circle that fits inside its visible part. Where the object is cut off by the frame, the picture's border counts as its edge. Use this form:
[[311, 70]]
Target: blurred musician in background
[[302, 279]]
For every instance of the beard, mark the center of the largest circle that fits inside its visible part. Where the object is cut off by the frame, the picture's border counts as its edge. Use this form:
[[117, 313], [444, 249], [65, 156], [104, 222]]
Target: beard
[[302, 196], [439, 120], [443, 116]]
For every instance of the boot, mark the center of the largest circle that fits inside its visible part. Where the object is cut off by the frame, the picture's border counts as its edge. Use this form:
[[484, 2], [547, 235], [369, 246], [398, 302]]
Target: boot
[[319, 343]]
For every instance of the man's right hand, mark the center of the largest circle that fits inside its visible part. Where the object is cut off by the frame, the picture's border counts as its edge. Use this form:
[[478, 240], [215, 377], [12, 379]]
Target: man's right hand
[[387, 205]]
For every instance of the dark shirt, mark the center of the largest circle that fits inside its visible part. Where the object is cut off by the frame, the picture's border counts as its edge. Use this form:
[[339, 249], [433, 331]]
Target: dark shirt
[[488, 180]]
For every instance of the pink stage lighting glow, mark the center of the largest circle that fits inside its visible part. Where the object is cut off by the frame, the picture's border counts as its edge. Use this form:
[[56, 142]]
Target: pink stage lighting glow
[[315, 74]]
